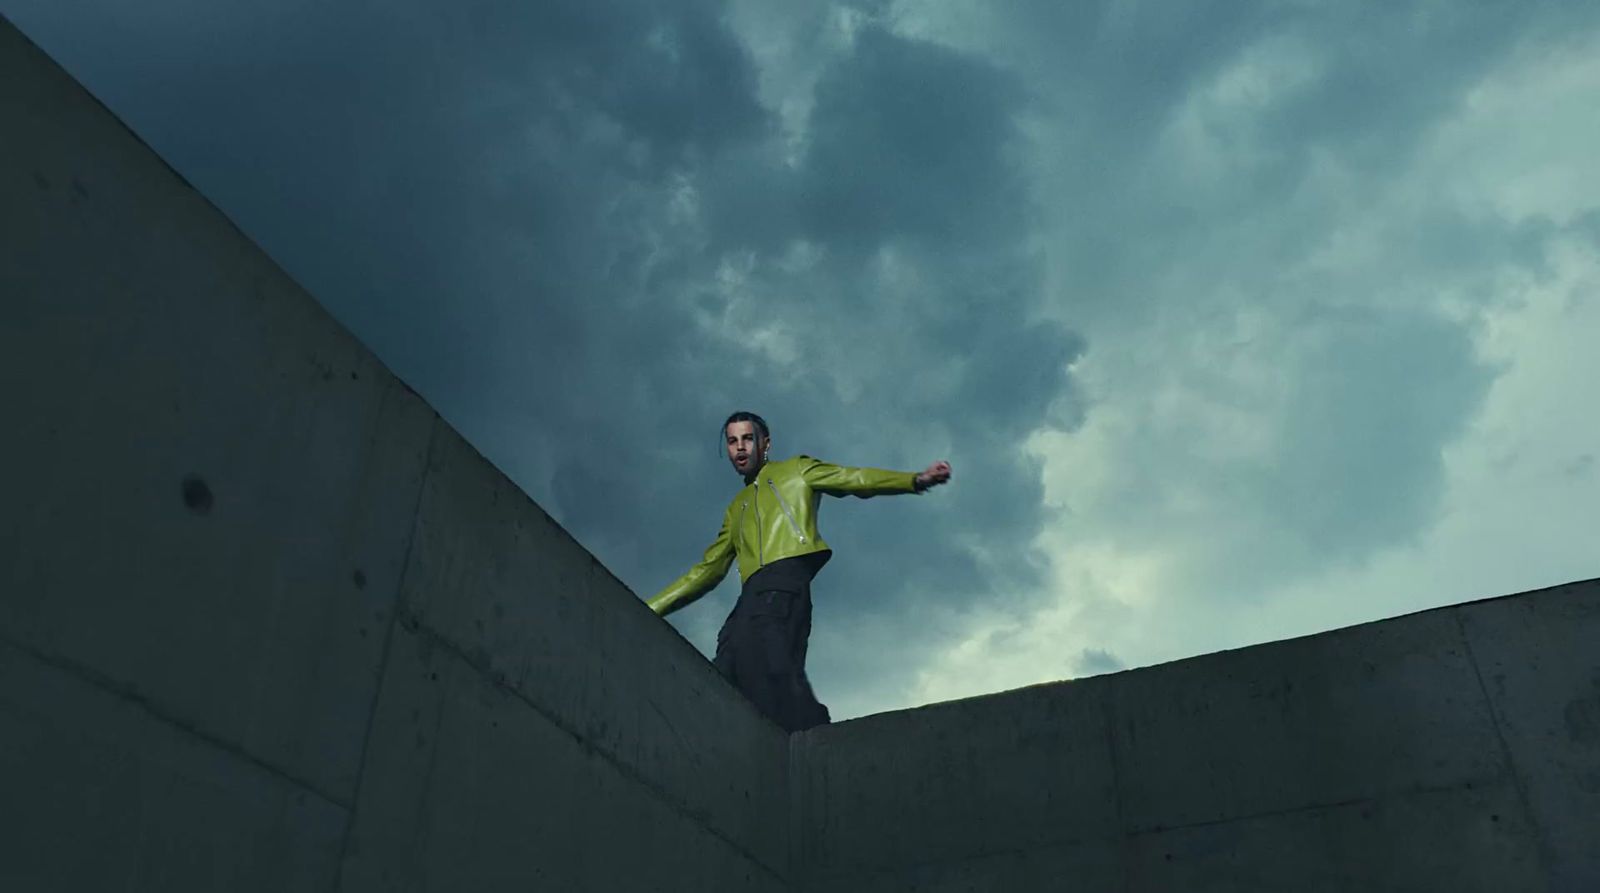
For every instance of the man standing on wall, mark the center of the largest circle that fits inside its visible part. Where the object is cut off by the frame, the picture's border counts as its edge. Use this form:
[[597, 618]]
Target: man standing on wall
[[771, 527]]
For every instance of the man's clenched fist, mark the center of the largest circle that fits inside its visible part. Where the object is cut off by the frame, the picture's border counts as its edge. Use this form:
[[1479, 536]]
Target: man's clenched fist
[[936, 474]]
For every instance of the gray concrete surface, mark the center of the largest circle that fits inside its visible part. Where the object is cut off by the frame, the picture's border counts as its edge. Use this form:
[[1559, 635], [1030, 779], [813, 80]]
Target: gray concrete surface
[[232, 540], [467, 788], [496, 580], [1452, 750], [97, 792], [1539, 659], [268, 623], [962, 780]]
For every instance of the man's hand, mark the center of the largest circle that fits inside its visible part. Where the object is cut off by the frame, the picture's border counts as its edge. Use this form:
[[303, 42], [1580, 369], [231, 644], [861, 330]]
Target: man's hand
[[936, 474]]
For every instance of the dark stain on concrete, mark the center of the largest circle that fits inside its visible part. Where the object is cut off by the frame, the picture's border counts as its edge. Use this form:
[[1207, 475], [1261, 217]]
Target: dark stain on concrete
[[197, 494], [1583, 721]]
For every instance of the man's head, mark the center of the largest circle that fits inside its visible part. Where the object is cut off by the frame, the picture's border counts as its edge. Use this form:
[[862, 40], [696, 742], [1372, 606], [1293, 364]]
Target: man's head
[[747, 440]]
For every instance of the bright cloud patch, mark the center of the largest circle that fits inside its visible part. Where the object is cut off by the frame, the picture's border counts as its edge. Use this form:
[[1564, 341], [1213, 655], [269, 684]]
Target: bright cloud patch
[[1166, 546]]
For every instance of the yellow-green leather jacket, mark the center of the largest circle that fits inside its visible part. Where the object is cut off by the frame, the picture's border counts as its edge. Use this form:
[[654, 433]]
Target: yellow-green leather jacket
[[773, 517]]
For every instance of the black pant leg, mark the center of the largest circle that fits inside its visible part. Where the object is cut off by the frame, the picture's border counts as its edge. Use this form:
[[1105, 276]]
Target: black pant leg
[[807, 710], [762, 651], [727, 640]]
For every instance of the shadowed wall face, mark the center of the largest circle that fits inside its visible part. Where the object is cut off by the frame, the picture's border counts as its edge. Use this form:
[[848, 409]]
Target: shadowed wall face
[[1449, 750], [267, 623]]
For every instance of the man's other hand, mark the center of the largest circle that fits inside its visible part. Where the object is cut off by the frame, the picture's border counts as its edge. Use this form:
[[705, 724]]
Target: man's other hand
[[936, 474]]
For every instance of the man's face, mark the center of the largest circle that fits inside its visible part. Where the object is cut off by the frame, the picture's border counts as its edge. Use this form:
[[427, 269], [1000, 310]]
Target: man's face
[[746, 448]]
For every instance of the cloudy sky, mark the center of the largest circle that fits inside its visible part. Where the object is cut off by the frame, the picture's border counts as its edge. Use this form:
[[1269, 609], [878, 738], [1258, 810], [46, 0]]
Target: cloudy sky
[[1238, 321]]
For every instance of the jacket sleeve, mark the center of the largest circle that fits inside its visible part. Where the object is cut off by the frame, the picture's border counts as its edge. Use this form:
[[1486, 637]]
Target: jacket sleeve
[[700, 579], [837, 480]]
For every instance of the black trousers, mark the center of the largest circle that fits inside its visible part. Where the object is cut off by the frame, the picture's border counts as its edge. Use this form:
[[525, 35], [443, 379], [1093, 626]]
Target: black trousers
[[761, 649]]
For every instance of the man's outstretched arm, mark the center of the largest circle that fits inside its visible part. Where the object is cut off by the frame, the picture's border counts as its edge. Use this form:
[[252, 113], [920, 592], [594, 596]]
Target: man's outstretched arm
[[700, 579], [866, 482]]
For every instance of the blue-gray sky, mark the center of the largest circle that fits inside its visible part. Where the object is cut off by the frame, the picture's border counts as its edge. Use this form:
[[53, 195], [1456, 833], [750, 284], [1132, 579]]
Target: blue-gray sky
[[1237, 321]]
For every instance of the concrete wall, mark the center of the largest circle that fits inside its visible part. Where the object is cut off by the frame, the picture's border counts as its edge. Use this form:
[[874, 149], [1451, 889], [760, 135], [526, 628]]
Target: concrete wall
[[267, 623], [1451, 750]]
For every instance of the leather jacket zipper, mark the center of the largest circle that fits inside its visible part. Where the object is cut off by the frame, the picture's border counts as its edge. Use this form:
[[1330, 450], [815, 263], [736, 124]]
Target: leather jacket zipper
[[786, 513], [761, 560], [744, 509]]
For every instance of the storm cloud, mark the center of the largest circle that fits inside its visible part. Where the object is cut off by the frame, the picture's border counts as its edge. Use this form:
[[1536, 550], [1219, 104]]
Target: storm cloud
[[1221, 314]]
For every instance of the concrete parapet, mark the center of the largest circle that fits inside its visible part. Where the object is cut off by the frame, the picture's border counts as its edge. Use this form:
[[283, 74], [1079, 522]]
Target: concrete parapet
[[267, 623], [1453, 749], [100, 791], [496, 581], [955, 781], [1539, 658]]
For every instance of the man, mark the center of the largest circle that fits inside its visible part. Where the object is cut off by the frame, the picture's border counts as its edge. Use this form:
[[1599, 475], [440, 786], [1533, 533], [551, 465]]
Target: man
[[771, 528]]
